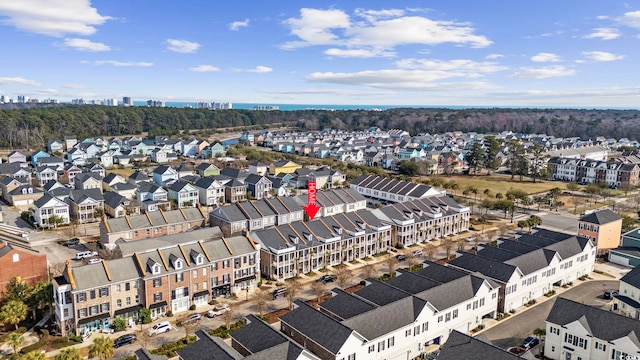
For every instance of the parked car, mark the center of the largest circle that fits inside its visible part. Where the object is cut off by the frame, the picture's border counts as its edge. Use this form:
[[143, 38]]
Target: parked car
[[530, 342], [192, 318], [218, 310], [94, 260], [159, 328], [401, 257], [72, 242], [609, 294], [85, 254], [279, 292], [124, 340], [327, 278], [417, 252]]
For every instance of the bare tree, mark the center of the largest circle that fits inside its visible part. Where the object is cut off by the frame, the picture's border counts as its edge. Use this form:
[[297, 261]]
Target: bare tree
[[262, 298], [56, 269], [491, 235], [368, 270], [392, 263], [144, 337], [430, 252], [228, 315], [503, 230], [319, 289], [412, 260], [188, 324], [293, 288], [448, 245], [343, 275]]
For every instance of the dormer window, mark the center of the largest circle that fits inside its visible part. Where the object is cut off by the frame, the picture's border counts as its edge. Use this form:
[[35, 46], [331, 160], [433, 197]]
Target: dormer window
[[177, 264], [418, 211], [308, 236], [199, 259], [294, 239], [408, 214], [361, 224], [155, 269], [338, 230]]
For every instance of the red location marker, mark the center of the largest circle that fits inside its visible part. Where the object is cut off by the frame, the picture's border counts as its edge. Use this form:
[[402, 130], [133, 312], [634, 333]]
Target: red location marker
[[311, 209]]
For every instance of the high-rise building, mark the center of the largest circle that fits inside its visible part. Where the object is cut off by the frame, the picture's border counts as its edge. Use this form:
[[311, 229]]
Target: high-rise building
[[155, 103], [110, 102], [4, 99], [23, 99], [127, 101]]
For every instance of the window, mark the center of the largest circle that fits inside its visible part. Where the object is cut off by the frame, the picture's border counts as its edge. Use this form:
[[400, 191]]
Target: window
[[372, 348], [469, 306], [425, 327], [119, 303], [179, 277], [381, 346], [155, 269], [128, 300], [127, 286], [407, 333], [601, 346], [391, 341], [65, 313], [104, 291], [81, 297], [178, 264], [440, 318], [157, 296], [416, 330], [157, 282], [351, 357], [93, 310], [194, 274], [455, 313], [447, 317], [16, 257], [118, 288], [82, 312], [92, 294], [137, 299], [104, 307]]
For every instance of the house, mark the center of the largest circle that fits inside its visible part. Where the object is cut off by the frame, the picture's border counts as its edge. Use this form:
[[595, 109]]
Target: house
[[603, 227], [283, 166], [58, 190], [235, 191], [125, 189], [391, 190], [77, 156], [164, 175], [151, 224], [47, 207], [210, 191], [110, 180], [69, 173], [160, 155], [531, 265], [86, 205], [138, 176], [258, 186], [184, 171], [258, 168], [8, 184], [184, 194], [16, 171], [87, 181], [116, 205], [18, 261], [627, 301], [233, 173], [37, 155], [148, 192], [189, 148], [460, 345], [575, 330], [96, 169], [16, 157], [51, 161], [280, 188], [202, 144], [213, 150], [44, 174], [107, 158], [628, 254], [248, 137], [70, 142], [207, 169], [23, 195]]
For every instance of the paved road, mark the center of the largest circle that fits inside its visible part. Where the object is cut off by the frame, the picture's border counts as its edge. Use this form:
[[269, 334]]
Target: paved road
[[559, 221], [506, 333]]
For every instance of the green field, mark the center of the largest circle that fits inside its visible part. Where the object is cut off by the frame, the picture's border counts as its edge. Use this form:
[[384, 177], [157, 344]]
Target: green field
[[497, 184]]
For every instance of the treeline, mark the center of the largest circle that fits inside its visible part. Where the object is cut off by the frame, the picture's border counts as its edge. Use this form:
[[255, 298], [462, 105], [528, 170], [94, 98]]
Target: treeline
[[37, 125]]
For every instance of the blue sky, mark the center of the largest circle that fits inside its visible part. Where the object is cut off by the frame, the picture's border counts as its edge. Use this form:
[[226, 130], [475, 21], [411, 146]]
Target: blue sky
[[492, 53]]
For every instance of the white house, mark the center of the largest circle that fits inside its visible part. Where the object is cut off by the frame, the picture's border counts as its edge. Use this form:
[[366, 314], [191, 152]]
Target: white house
[[210, 191], [48, 206]]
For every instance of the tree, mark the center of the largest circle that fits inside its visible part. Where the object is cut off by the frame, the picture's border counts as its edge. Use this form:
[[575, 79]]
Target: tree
[[261, 299], [188, 325], [318, 289], [412, 260], [12, 312], [448, 245], [227, 316], [143, 337], [55, 221], [627, 223], [391, 262], [474, 157], [430, 252], [538, 164], [16, 289], [40, 294], [491, 159], [293, 288], [343, 275], [15, 340], [573, 186], [368, 270], [517, 161], [102, 348], [34, 355], [408, 168], [70, 353]]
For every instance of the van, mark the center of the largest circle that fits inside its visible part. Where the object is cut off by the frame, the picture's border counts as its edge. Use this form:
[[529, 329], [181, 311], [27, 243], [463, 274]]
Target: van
[[85, 254], [159, 328]]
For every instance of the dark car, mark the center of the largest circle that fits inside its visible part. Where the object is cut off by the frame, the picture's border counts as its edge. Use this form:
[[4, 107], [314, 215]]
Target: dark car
[[401, 257], [609, 294], [72, 242], [124, 340], [530, 342], [327, 278]]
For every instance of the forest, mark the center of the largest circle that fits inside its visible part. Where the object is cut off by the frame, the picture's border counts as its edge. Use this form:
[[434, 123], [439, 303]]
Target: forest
[[34, 126]]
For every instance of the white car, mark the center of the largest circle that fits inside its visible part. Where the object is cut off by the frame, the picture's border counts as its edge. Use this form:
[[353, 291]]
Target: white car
[[95, 260], [159, 328], [218, 310]]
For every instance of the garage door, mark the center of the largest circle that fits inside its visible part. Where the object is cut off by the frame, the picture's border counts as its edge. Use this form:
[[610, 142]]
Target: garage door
[[617, 259], [22, 202]]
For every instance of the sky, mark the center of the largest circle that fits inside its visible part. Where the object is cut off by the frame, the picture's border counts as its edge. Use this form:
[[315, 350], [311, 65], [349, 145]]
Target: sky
[[569, 53]]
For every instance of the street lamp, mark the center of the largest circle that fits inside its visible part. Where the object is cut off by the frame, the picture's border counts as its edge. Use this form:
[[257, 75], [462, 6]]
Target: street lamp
[[246, 293]]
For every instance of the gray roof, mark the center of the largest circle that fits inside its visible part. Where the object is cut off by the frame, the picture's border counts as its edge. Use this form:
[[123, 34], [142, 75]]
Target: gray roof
[[460, 346], [131, 246], [387, 318], [344, 306], [208, 347], [380, 293], [488, 267], [144, 354], [258, 336], [632, 277], [602, 324], [94, 275], [601, 217]]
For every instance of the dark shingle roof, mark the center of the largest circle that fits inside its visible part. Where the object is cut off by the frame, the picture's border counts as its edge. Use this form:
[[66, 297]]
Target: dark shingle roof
[[208, 347], [460, 346], [632, 277], [601, 217]]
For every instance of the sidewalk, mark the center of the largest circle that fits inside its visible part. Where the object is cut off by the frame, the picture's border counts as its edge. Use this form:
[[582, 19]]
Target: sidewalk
[[29, 337]]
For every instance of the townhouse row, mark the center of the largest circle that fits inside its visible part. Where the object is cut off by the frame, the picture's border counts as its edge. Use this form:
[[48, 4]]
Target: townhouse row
[[392, 190], [169, 278], [613, 173]]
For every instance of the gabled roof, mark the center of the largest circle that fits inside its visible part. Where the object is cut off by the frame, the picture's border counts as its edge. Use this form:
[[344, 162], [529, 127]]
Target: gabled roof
[[208, 347], [632, 277], [461, 346], [49, 200], [601, 217]]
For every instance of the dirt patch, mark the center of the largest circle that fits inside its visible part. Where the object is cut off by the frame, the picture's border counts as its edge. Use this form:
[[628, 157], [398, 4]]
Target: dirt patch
[[274, 316], [353, 288]]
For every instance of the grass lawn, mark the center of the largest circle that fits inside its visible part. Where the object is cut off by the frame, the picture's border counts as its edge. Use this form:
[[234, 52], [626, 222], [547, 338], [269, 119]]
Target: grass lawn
[[498, 184], [126, 172]]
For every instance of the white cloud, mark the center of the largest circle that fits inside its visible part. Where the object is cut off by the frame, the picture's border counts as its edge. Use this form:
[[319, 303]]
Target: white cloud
[[236, 25], [73, 86], [631, 19], [382, 29], [203, 68], [602, 17], [493, 56], [119, 63], [260, 69], [359, 53], [47, 91], [543, 72], [52, 17], [545, 57], [398, 79], [452, 68], [337, 92], [18, 81], [602, 56], [182, 46], [86, 45], [603, 34]]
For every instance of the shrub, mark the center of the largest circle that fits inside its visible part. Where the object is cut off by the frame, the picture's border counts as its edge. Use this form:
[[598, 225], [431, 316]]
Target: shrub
[[44, 339], [260, 283], [62, 342], [222, 331], [76, 338], [192, 307], [398, 246], [118, 324], [145, 314], [362, 282], [169, 313], [213, 302]]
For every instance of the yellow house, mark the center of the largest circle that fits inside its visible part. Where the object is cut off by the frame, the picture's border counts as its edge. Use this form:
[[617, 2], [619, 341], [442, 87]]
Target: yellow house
[[283, 166], [603, 227]]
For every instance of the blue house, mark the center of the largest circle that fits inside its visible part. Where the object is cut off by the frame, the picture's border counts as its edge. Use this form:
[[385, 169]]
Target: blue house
[[38, 155]]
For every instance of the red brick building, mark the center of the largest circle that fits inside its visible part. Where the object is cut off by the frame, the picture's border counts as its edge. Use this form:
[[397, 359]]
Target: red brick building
[[30, 265]]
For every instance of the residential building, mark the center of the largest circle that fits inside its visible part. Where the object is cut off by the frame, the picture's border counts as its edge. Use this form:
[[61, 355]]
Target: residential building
[[86, 205], [184, 194], [235, 191], [36, 156], [258, 186], [460, 345], [152, 196], [116, 205], [88, 181], [210, 191], [18, 261], [23, 196], [16, 157], [258, 168], [603, 227], [48, 206], [391, 190], [531, 265], [628, 254], [164, 175], [150, 225], [614, 173], [627, 301], [578, 331], [283, 166], [206, 169]]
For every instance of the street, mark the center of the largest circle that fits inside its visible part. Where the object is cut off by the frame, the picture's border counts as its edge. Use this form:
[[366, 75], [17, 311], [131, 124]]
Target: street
[[511, 331], [559, 221]]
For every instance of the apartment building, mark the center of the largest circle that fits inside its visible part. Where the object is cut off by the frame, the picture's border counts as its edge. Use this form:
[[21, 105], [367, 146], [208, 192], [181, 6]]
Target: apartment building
[[578, 331], [391, 190], [531, 265], [171, 278], [603, 227], [299, 247], [615, 174], [150, 224], [30, 265]]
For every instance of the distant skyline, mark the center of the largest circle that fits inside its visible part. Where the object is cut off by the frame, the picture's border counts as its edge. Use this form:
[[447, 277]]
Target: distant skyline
[[458, 53]]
